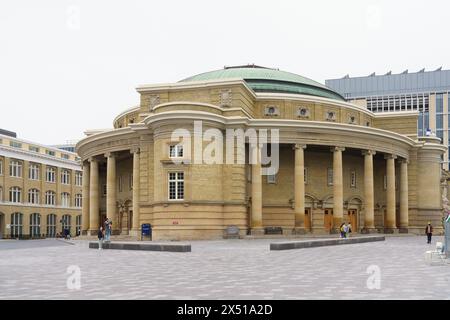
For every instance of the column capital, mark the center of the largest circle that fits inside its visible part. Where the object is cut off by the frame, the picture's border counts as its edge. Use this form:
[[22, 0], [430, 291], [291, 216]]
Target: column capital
[[368, 152], [299, 146], [110, 155], [92, 159], [135, 150], [337, 148], [390, 156], [403, 160]]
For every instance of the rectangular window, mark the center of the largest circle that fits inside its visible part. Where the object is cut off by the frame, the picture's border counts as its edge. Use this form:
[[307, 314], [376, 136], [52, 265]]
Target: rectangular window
[[15, 169], [50, 174], [33, 148], [271, 178], [330, 176], [104, 190], [65, 156], [15, 144], [78, 179], [65, 177], [439, 103], [176, 185], [176, 151], [33, 173], [353, 179], [1, 167], [50, 153]]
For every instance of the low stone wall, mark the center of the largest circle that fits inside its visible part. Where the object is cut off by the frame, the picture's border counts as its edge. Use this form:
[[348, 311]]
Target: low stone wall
[[322, 242], [143, 246]]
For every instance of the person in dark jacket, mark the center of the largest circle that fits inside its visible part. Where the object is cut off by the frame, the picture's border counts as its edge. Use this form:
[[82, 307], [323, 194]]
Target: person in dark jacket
[[100, 238], [429, 231]]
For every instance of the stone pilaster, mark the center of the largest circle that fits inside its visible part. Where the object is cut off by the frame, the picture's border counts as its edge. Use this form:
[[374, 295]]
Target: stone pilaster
[[94, 223], [299, 189], [404, 204], [369, 214], [256, 218], [338, 192], [85, 205], [390, 225], [111, 196], [135, 228]]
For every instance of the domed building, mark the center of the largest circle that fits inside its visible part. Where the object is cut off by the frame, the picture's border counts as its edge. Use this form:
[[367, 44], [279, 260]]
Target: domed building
[[191, 161]]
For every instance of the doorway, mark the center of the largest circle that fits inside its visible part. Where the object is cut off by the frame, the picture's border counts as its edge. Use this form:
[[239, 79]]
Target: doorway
[[353, 219], [328, 219]]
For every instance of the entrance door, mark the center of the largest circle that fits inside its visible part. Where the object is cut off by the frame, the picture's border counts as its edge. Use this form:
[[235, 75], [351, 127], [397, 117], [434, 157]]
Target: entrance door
[[353, 219], [328, 219], [307, 219]]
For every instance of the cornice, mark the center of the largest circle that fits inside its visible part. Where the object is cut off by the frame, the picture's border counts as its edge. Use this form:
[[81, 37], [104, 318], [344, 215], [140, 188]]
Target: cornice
[[26, 155]]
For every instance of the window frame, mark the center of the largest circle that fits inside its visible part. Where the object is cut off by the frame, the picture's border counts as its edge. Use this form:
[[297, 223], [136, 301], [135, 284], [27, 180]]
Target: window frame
[[177, 183], [15, 168]]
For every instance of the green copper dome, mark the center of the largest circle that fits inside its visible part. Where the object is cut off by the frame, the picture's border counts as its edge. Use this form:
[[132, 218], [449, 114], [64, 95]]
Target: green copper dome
[[262, 79]]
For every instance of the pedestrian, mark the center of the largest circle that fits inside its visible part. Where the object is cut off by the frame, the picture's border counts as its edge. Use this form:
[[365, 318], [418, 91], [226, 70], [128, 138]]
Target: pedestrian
[[341, 230], [429, 231], [100, 238], [107, 229], [349, 229], [345, 230]]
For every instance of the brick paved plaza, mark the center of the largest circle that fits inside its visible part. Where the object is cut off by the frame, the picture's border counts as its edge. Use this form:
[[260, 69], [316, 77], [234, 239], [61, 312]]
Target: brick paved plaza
[[228, 269]]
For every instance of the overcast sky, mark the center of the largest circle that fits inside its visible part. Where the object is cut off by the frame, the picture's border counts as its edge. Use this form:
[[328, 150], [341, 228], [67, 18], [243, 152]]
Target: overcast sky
[[67, 66]]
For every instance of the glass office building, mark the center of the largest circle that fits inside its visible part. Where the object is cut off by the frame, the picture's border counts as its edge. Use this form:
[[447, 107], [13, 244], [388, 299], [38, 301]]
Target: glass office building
[[425, 92]]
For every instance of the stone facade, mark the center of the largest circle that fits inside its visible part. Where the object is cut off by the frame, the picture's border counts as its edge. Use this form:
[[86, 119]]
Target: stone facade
[[26, 217], [370, 169]]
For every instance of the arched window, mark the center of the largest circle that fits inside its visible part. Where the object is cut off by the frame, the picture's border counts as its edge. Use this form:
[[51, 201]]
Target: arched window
[[35, 225], [65, 199], [50, 174], [33, 196], [50, 197], [78, 226], [15, 194], [78, 200], [66, 222], [16, 225], [78, 178], [51, 225], [33, 171]]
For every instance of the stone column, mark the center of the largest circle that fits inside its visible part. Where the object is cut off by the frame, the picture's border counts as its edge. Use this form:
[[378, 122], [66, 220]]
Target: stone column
[[135, 229], [390, 223], [338, 192], [93, 198], [256, 221], [299, 189], [369, 214], [404, 205], [111, 197], [85, 205]]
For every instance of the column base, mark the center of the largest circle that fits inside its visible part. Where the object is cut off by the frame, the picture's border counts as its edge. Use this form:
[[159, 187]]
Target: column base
[[257, 231], [299, 231], [369, 230], [403, 230], [390, 230]]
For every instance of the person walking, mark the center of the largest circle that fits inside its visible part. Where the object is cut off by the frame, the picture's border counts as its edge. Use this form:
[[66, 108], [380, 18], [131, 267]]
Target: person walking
[[429, 232], [108, 224], [349, 230], [341, 230], [100, 238], [345, 230]]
